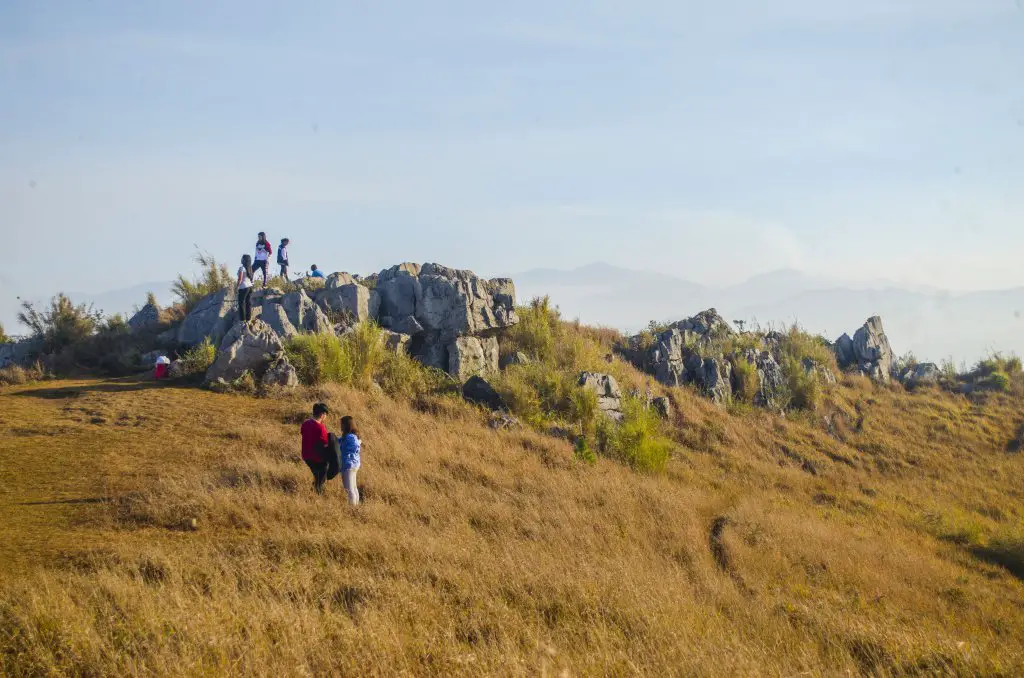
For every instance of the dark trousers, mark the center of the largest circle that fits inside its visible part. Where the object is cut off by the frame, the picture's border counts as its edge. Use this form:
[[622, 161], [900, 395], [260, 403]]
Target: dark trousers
[[328, 469], [245, 304], [284, 270], [319, 469], [262, 265]]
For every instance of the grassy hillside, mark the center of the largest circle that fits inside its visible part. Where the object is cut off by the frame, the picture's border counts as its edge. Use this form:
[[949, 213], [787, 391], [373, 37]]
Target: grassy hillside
[[881, 533]]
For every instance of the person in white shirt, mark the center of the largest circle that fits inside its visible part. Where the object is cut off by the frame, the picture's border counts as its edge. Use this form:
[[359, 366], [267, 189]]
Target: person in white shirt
[[245, 289], [261, 261], [282, 257]]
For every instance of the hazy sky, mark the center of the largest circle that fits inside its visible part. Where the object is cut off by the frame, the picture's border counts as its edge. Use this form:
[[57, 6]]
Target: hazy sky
[[710, 140]]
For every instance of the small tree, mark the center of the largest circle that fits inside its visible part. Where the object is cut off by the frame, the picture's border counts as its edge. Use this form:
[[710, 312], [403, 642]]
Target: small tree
[[62, 324], [3, 335]]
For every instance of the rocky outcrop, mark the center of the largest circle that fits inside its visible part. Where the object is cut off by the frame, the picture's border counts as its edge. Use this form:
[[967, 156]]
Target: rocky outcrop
[[472, 356], [395, 341], [343, 295], [712, 375], [609, 395], [478, 391], [212, 317], [667, 357], [868, 352], [280, 374], [770, 378], [147, 318], [248, 347], [922, 374], [275, 316]]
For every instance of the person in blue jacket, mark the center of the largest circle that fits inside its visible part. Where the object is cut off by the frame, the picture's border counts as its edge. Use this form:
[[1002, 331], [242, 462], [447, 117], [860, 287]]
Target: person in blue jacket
[[351, 446]]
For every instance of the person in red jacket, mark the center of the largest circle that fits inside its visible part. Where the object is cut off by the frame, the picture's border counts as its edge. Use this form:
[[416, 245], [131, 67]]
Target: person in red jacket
[[319, 448]]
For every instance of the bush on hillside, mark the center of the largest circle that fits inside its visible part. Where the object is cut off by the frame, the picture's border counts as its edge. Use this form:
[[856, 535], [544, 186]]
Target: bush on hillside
[[213, 278], [61, 324], [3, 335], [199, 358], [637, 441], [745, 380], [16, 375], [360, 359]]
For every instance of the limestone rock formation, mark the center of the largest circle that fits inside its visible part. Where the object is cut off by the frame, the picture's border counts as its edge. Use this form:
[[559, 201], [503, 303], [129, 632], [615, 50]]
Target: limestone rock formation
[[350, 298], [275, 316], [609, 395], [868, 351], [212, 317], [472, 356], [247, 347], [280, 374], [712, 375]]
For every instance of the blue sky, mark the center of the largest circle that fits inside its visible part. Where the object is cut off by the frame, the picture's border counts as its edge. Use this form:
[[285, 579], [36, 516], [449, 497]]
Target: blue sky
[[713, 141]]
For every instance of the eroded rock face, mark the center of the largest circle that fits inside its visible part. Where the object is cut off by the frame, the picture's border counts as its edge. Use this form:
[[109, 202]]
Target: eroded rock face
[[868, 351], [667, 358], [472, 356], [770, 378], [280, 374], [212, 317], [275, 316], [458, 303], [247, 347], [609, 395], [712, 375], [351, 299]]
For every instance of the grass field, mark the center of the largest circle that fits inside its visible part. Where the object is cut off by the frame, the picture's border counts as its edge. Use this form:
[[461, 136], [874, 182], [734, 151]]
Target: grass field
[[881, 534]]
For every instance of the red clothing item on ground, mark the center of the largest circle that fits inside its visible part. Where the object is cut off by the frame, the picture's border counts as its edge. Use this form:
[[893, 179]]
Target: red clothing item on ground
[[314, 439]]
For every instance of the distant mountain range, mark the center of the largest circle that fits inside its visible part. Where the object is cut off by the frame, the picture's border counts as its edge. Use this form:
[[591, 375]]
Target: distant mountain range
[[933, 324]]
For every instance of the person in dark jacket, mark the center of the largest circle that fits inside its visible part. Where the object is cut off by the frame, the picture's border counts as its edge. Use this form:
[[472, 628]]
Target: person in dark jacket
[[282, 257], [261, 262], [319, 448]]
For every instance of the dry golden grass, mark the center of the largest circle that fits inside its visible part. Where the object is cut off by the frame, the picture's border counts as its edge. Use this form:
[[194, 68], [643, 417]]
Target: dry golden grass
[[850, 540]]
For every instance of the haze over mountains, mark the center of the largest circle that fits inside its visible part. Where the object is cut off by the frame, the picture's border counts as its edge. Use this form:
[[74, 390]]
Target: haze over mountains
[[934, 324]]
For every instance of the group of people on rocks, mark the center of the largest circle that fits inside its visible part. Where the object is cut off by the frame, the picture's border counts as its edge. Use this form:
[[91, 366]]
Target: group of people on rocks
[[327, 456], [260, 262]]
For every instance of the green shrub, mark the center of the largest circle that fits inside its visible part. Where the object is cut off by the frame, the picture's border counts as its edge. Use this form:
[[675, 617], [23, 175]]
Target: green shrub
[[745, 380], [62, 324], [3, 335], [996, 381], [536, 330], [199, 358], [319, 359], [213, 278], [803, 389], [637, 440]]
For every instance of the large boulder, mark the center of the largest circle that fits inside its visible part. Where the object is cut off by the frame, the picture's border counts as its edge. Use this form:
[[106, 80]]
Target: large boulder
[[712, 375], [477, 390], [275, 316], [609, 395], [706, 324], [212, 317], [399, 291], [457, 303], [350, 298], [472, 356], [280, 374], [395, 341], [868, 352], [247, 347], [147, 318], [297, 306]]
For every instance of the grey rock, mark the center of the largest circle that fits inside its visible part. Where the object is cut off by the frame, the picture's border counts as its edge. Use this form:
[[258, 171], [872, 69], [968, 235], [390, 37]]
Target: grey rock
[[712, 375], [922, 374], [609, 396], [212, 317], [336, 280], [663, 406], [406, 325], [456, 302], [705, 323], [478, 391], [176, 369], [845, 354], [280, 374], [399, 290], [395, 341], [147, 318], [871, 351], [275, 316], [247, 347], [351, 299], [816, 369], [503, 421], [317, 322], [771, 381], [517, 358], [472, 356], [297, 306]]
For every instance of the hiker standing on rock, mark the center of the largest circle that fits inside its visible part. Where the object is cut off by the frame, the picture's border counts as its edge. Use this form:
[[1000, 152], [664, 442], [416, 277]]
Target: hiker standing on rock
[[282, 257], [263, 252], [245, 289], [319, 448]]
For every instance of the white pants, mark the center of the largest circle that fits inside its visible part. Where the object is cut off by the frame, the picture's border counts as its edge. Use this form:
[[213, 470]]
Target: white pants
[[348, 478]]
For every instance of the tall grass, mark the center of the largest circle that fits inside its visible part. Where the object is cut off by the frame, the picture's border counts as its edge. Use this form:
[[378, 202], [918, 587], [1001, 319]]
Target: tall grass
[[213, 277], [62, 323], [199, 358]]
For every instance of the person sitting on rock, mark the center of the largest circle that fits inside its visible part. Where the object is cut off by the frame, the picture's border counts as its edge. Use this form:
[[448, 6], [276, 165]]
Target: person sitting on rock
[[319, 448], [282, 257], [262, 259], [351, 446], [244, 286], [315, 272]]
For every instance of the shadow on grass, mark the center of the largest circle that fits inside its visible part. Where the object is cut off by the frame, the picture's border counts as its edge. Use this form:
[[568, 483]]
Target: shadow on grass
[[1008, 554], [54, 502], [118, 385]]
